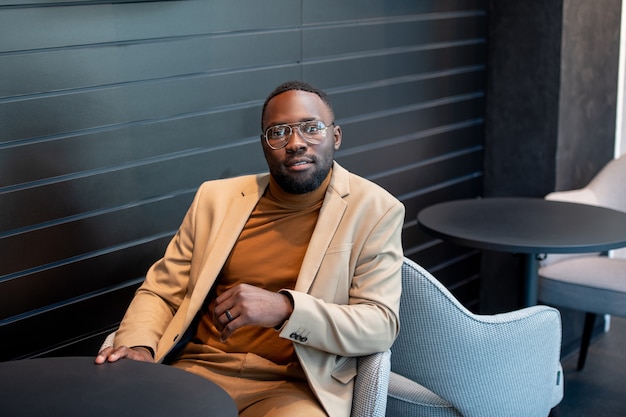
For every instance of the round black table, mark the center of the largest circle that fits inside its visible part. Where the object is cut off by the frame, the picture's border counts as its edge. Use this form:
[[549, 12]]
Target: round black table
[[75, 386], [529, 226]]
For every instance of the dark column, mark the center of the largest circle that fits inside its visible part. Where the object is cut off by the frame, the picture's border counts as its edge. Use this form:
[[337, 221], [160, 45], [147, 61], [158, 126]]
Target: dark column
[[522, 97], [588, 94]]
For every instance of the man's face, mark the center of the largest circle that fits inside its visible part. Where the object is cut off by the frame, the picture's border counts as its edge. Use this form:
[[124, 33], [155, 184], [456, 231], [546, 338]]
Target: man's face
[[300, 167]]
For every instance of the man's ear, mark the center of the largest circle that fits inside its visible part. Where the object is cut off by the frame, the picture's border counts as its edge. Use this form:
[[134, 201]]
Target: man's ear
[[337, 136]]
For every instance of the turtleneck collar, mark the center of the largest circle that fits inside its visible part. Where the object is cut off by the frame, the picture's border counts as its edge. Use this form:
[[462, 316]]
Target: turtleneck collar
[[298, 200]]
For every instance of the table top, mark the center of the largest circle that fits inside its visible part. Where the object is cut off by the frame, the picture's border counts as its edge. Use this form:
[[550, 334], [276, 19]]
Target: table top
[[75, 386], [525, 225]]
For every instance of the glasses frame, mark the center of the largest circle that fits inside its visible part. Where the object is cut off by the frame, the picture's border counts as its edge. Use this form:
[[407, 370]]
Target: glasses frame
[[291, 130]]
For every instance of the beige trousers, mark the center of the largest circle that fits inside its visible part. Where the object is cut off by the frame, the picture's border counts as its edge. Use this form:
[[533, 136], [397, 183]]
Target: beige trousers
[[259, 387]]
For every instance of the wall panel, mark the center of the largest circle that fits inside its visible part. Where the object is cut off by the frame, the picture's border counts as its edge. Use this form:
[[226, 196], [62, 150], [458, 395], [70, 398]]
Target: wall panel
[[115, 147], [54, 114], [103, 189], [81, 66], [114, 112], [91, 272]]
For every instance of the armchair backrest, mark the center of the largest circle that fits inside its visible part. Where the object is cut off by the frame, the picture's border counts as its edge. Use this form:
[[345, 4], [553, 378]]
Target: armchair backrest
[[497, 365], [606, 189], [609, 185]]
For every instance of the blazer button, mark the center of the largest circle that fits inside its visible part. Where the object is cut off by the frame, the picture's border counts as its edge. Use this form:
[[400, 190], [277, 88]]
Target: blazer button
[[298, 337]]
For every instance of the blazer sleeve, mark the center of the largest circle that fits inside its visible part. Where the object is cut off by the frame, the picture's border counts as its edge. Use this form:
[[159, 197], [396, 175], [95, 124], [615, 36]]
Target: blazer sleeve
[[368, 322]]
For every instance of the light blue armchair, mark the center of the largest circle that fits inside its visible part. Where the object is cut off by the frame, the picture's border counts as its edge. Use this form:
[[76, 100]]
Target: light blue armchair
[[448, 361]]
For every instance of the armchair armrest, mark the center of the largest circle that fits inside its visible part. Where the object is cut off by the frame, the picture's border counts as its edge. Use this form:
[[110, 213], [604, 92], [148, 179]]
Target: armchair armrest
[[371, 385]]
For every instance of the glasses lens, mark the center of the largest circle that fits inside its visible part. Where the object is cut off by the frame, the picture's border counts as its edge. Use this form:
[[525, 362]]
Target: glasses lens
[[278, 132], [313, 131], [278, 136]]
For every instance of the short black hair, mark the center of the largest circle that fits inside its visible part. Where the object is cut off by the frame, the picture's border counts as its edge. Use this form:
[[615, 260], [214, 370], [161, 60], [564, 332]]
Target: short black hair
[[296, 85]]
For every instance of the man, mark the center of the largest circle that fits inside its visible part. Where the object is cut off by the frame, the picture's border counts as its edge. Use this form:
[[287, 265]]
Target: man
[[274, 283]]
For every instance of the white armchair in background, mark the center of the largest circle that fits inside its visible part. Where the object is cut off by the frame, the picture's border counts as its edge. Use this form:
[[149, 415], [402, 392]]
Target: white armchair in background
[[591, 283]]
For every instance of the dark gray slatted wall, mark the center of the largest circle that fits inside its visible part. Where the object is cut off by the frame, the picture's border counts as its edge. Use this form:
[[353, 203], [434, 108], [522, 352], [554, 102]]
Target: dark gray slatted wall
[[112, 114]]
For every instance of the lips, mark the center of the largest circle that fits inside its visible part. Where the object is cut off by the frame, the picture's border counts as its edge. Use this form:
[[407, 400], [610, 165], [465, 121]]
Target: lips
[[296, 162]]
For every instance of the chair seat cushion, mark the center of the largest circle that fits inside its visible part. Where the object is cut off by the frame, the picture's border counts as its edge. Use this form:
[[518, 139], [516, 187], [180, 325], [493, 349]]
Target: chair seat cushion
[[595, 284], [408, 398]]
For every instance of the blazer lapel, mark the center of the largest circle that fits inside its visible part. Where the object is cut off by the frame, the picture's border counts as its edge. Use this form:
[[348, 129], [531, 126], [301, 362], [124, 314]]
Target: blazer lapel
[[238, 211], [331, 213]]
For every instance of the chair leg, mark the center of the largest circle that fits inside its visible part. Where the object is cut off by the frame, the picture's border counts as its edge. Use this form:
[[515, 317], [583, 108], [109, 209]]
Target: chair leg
[[590, 319]]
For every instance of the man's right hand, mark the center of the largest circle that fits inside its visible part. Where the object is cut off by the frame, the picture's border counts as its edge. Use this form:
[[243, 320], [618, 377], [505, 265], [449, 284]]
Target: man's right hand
[[114, 354]]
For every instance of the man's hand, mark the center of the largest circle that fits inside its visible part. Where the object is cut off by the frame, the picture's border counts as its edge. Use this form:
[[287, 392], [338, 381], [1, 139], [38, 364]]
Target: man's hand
[[112, 355], [247, 305]]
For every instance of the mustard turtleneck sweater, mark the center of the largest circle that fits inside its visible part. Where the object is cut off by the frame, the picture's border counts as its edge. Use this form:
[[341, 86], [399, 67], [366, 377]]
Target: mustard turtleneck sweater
[[268, 254]]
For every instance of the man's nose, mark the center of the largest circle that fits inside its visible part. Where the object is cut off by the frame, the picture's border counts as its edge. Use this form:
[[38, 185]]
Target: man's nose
[[297, 141]]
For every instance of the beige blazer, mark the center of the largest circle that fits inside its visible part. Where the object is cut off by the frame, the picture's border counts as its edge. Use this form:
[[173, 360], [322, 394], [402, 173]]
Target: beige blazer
[[346, 297]]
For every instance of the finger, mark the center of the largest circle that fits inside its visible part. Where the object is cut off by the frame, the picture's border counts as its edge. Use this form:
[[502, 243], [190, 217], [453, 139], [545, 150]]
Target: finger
[[110, 354], [228, 315], [239, 320], [227, 331], [222, 320], [119, 353], [103, 355], [226, 304], [226, 295]]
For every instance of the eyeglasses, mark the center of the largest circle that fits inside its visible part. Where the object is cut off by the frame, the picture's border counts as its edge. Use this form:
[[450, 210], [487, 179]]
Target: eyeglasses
[[313, 132]]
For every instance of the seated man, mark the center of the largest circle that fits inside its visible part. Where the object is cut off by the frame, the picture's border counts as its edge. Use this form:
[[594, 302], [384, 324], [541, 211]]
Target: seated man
[[275, 282]]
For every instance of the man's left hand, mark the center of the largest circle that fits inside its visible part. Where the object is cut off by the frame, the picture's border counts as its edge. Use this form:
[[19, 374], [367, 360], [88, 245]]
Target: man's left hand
[[247, 305]]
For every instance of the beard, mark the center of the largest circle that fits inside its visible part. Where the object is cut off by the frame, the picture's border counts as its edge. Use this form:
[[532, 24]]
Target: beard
[[293, 184]]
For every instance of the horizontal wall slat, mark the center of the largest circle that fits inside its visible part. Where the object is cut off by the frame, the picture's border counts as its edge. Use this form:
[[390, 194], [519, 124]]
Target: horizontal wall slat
[[384, 97], [85, 24], [427, 175], [118, 266], [376, 129], [69, 112], [21, 74], [391, 156], [38, 160], [365, 69], [73, 320], [68, 240], [348, 38], [122, 187], [315, 11]]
